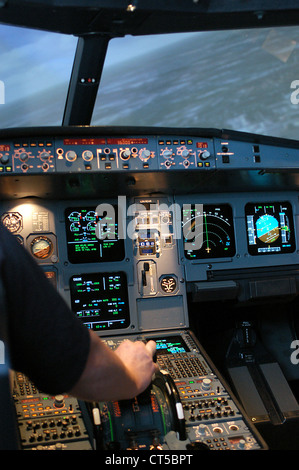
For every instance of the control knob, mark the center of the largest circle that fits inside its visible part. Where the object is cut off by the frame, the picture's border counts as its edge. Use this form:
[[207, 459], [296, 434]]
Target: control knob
[[206, 384], [145, 154], [205, 155], [185, 153], [23, 156], [59, 401], [242, 444], [125, 154], [71, 156], [44, 155], [167, 154], [202, 429], [4, 159], [87, 155]]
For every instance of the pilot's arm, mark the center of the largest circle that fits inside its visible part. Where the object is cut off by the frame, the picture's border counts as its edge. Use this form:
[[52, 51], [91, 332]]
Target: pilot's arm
[[115, 375]]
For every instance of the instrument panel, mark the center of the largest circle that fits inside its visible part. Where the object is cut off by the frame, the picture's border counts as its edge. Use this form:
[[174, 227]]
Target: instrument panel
[[87, 150], [128, 264], [102, 153]]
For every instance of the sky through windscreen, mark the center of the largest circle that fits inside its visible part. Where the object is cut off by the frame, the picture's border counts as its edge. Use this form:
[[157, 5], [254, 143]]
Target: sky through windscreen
[[233, 79]]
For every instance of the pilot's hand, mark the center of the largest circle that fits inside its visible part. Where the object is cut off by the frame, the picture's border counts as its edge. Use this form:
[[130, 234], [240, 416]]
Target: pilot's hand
[[138, 359]]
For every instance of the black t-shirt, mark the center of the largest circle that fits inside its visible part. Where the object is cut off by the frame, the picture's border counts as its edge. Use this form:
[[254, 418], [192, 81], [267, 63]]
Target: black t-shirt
[[47, 342]]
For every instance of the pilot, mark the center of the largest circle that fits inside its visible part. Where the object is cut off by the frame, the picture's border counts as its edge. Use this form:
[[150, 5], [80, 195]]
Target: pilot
[[49, 344]]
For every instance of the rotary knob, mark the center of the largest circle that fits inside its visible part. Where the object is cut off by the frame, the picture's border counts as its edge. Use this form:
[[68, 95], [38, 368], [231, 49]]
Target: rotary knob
[[145, 154], [167, 154], [205, 155], [71, 156], [59, 401], [4, 159], [206, 384], [202, 429], [44, 155], [87, 155], [23, 156], [185, 153], [125, 154], [242, 444]]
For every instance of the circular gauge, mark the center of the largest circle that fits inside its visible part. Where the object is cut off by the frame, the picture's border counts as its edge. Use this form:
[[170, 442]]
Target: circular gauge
[[12, 221], [208, 231], [91, 216], [168, 284], [41, 247]]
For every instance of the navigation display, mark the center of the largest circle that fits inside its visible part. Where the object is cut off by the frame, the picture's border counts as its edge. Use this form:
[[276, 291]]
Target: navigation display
[[213, 225], [270, 228], [100, 300], [83, 246]]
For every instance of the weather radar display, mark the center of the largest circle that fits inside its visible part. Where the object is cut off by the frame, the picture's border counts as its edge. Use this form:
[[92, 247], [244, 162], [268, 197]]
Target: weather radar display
[[270, 228]]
